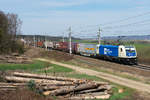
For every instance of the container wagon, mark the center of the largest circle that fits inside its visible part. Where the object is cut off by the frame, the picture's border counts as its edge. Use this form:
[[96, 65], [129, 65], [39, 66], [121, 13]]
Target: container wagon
[[40, 44], [87, 49], [65, 46], [48, 45]]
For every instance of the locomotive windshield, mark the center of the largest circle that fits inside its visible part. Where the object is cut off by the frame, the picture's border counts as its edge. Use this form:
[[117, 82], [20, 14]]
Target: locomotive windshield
[[130, 51]]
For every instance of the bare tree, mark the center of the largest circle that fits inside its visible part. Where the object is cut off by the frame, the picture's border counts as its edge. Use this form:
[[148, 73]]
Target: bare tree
[[10, 26], [14, 24]]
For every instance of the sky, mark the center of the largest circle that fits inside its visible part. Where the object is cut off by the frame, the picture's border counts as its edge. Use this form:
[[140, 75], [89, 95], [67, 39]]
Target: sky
[[85, 17]]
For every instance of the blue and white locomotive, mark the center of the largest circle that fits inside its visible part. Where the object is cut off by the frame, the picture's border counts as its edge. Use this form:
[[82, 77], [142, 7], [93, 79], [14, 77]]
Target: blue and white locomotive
[[122, 54]]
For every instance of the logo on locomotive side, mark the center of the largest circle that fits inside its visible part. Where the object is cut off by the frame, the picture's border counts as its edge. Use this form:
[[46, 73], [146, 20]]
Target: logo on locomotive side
[[89, 48], [107, 51]]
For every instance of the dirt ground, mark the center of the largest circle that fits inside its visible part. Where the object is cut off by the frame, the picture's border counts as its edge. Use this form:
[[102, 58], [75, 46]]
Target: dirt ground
[[138, 96], [22, 94], [53, 54]]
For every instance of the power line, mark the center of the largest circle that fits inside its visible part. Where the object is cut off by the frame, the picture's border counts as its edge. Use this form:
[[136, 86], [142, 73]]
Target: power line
[[118, 21], [128, 18], [126, 25], [144, 22]]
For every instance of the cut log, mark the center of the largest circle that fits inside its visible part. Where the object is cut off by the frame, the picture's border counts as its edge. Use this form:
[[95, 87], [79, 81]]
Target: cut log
[[28, 75], [15, 54], [74, 89], [13, 84], [8, 87], [24, 80], [89, 97], [46, 93], [99, 89], [48, 88]]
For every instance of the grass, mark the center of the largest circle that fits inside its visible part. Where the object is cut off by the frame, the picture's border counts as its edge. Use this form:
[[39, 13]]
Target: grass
[[31, 67], [86, 41], [83, 76], [143, 51], [117, 74], [57, 68], [36, 66], [53, 68], [118, 96]]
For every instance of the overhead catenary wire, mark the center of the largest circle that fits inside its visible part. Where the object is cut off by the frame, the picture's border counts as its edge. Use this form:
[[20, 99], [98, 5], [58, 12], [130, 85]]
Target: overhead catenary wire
[[109, 28], [117, 21]]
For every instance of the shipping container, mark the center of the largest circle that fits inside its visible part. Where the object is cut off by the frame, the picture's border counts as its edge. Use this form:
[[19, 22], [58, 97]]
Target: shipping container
[[48, 44], [73, 47], [108, 50], [40, 44], [65, 46], [55, 45], [87, 49]]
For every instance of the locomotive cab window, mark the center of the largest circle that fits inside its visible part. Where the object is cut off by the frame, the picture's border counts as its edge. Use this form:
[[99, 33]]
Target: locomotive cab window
[[121, 49], [130, 51]]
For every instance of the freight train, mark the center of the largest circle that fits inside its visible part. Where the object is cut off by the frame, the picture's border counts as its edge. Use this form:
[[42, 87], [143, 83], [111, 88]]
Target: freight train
[[120, 53]]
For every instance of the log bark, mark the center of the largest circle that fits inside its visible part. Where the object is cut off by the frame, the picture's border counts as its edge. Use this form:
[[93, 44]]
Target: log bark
[[48, 88], [37, 76], [24, 80], [28, 75], [74, 89], [99, 89], [13, 84], [90, 97], [8, 87]]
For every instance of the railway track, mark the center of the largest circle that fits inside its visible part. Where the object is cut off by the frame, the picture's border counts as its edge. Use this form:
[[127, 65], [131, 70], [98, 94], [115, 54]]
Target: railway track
[[139, 66], [143, 67]]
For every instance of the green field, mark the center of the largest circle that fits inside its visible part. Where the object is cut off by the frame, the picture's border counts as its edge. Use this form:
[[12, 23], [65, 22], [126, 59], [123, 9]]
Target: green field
[[143, 51], [55, 69], [40, 68], [30, 67]]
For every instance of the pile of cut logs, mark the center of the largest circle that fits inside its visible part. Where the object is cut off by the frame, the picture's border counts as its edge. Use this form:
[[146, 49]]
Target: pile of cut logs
[[59, 86], [15, 58]]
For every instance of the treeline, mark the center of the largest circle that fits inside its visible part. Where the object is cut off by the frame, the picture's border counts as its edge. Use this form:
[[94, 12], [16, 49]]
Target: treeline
[[10, 26]]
